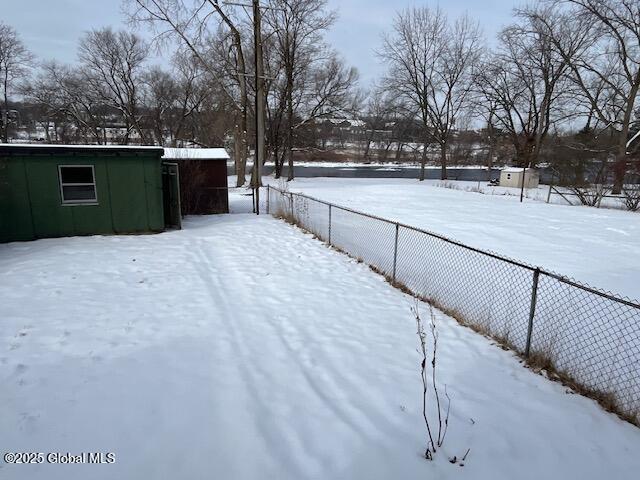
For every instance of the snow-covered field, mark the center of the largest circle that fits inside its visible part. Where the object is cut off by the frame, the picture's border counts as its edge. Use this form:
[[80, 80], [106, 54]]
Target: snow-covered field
[[558, 195], [241, 348], [598, 246]]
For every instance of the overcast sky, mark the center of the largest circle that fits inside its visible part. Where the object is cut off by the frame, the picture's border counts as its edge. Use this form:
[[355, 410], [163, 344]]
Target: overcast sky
[[51, 28]]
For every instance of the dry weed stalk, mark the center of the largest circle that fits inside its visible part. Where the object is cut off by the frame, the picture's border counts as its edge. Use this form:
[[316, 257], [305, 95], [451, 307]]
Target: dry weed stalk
[[443, 422]]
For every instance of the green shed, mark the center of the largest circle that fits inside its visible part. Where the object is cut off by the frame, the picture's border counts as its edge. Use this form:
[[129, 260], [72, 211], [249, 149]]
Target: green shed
[[64, 190]]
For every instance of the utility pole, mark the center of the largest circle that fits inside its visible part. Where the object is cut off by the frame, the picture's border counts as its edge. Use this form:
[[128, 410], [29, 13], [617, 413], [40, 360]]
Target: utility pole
[[259, 104]]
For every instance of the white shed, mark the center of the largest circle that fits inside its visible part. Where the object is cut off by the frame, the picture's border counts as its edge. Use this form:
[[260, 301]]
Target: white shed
[[512, 177]]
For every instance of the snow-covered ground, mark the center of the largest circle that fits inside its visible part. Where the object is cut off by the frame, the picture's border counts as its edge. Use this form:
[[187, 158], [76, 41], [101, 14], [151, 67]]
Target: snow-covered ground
[[598, 246], [557, 195], [241, 348]]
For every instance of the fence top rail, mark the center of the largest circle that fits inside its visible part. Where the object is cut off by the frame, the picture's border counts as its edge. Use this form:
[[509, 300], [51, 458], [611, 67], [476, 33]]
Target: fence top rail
[[596, 291], [562, 278], [556, 190]]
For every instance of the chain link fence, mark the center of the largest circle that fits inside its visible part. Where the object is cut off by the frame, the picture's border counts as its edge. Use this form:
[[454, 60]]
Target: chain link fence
[[588, 337]]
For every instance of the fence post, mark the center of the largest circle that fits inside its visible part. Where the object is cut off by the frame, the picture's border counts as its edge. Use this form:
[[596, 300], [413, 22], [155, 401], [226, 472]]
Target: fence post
[[291, 205], [329, 224], [532, 310], [395, 253], [268, 196], [253, 201]]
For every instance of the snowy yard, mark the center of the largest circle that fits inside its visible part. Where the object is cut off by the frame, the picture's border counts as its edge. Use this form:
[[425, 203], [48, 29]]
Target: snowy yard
[[596, 246], [241, 348]]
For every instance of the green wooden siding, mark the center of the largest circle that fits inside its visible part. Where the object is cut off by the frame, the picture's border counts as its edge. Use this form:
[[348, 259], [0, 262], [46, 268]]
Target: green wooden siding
[[129, 192], [153, 180], [15, 209]]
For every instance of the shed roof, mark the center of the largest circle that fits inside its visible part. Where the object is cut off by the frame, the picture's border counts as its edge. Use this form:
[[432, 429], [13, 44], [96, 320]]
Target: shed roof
[[195, 154], [8, 149], [516, 169]]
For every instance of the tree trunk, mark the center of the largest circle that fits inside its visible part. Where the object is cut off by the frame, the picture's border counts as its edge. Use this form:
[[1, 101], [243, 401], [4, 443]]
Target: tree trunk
[[620, 167], [5, 113], [490, 161], [443, 161], [5, 121], [366, 149], [279, 164], [619, 171], [423, 160], [290, 175], [276, 160], [241, 159], [399, 151], [241, 136], [385, 152], [289, 142], [46, 131], [240, 156], [524, 153]]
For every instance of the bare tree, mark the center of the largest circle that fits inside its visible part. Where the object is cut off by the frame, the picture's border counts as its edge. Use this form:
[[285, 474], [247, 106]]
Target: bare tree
[[485, 110], [161, 98], [187, 21], [15, 61], [430, 65], [379, 111], [604, 63], [113, 64], [66, 93], [43, 93], [173, 97], [330, 89], [296, 27], [524, 84]]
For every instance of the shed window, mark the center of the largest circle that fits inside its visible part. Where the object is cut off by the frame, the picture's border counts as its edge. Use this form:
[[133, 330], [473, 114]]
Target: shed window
[[77, 184]]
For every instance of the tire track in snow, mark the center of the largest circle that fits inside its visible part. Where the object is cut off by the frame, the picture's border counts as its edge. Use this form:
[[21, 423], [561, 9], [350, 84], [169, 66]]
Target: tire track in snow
[[373, 421], [366, 423], [360, 422], [245, 363]]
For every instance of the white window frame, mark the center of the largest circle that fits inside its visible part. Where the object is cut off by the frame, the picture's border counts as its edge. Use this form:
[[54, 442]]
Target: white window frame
[[89, 201]]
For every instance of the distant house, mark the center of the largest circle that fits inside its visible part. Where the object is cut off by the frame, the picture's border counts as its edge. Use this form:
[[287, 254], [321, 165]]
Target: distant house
[[347, 125], [203, 179], [513, 177], [64, 190]]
